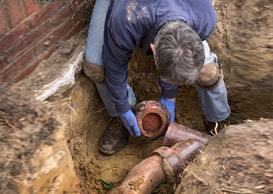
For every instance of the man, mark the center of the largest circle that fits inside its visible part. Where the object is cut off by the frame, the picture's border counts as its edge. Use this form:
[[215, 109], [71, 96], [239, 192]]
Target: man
[[176, 32]]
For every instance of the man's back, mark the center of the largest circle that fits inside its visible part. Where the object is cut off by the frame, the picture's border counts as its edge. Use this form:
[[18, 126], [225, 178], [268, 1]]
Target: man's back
[[134, 23]]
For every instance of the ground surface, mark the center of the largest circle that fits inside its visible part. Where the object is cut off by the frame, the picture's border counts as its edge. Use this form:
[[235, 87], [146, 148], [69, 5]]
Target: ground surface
[[232, 163], [248, 78]]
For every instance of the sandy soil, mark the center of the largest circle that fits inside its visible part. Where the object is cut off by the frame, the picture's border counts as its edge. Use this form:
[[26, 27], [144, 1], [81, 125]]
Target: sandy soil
[[248, 76], [232, 163], [249, 87]]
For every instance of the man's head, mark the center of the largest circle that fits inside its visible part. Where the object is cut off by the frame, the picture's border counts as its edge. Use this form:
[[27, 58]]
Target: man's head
[[178, 53]]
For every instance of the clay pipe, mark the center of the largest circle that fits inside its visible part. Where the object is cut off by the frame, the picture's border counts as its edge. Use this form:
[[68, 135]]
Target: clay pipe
[[152, 118], [164, 165], [143, 178], [177, 133], [182, 154]]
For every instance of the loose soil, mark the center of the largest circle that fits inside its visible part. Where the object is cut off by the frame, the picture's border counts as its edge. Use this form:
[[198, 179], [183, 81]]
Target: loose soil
[[249, 89], [248, 63]]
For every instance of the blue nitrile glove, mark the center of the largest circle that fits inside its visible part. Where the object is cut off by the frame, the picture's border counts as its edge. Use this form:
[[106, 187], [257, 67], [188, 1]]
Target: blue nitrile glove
[[170, 106], [130, 122]]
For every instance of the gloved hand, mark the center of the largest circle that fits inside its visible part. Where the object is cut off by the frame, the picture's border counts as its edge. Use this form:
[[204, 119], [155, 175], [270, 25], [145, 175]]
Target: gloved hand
[[130, 122], [170, 106]]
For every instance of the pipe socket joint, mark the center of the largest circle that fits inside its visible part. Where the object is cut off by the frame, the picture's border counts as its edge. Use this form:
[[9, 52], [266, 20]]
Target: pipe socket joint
[[152, 118], [182, 154], [176, 158]]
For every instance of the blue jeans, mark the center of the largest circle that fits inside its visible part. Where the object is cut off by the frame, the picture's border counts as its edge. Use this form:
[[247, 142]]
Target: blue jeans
[[214, 102], [93, 53]]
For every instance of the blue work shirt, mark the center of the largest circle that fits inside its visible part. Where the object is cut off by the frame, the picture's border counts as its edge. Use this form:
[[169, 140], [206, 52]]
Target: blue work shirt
[[134, 23]]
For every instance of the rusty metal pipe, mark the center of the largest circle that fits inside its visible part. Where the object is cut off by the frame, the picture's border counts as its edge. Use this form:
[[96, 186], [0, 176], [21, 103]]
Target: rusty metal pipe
[[177, 133]]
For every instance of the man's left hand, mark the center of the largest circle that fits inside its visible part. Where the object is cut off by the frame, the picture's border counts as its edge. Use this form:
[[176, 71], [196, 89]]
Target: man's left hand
[[170, 106]]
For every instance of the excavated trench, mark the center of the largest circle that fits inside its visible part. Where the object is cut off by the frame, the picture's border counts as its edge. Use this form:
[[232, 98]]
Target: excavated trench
[[248, 67], [98, 172], [79, 113]]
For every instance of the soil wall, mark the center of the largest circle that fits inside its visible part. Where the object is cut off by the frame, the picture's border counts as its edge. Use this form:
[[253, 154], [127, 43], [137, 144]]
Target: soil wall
[[247, 67], [231, 163], [242, 40]]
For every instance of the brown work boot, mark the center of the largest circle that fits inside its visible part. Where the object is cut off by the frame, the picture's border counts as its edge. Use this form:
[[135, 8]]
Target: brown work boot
[[214, 127], [114, 138]]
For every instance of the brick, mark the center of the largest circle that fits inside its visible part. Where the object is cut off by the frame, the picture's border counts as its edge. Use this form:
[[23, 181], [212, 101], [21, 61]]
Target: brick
[[43, 48], [75, 3], [47, 53], [40, 31], [29, 40], [13, 36], [51, 39], [29, 69], [61, 16], [17, 48], [44, 51], [13, 68], [3, 21], [30, 6], [43, 45], [16, 11], [3, 61], [79, 14], [44, 14], [76, 29], [62, 30]]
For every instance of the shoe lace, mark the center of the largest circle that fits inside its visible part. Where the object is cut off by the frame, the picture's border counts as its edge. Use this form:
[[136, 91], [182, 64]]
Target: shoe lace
[[215, 130]]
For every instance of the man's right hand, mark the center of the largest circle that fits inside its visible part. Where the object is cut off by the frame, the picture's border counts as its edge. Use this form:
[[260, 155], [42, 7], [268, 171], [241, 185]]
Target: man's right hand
[[130, 122]]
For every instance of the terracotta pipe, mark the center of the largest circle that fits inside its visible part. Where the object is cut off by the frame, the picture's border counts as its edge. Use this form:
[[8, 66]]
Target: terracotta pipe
[[143, 178], [177, 133], [182, 154], [152, 118], [164, 165]]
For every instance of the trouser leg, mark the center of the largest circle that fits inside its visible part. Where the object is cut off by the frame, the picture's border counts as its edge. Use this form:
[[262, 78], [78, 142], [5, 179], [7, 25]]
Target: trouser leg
[[214, 100], [93, 65]]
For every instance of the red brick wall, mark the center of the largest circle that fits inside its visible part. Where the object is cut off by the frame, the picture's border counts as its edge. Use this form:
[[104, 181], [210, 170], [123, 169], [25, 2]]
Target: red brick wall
[[29, 32]]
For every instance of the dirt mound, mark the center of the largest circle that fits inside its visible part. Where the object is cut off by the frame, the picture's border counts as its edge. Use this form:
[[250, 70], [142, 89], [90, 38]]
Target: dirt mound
[[25, 125], [242, 41], [237, 161]]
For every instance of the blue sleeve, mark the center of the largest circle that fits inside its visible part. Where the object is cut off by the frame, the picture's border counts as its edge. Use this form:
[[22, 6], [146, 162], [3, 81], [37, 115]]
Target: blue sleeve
[[115, 59], [168, 90]]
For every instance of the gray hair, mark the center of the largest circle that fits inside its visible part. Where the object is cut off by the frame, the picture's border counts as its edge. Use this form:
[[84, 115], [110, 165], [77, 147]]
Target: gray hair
[[179, 53]]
